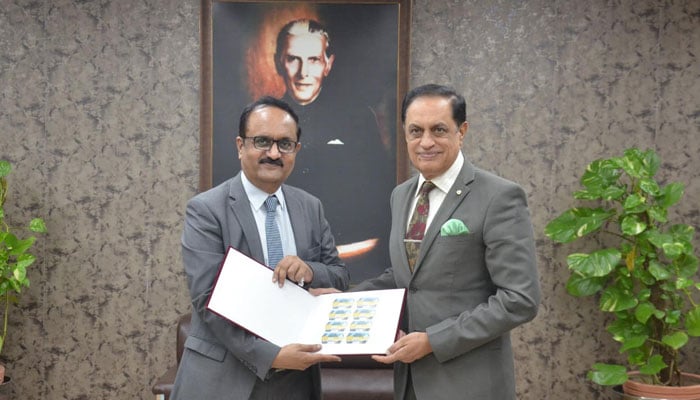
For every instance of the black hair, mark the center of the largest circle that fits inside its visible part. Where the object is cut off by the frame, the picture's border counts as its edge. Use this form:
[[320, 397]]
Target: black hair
[[459, 105], [266, 101]]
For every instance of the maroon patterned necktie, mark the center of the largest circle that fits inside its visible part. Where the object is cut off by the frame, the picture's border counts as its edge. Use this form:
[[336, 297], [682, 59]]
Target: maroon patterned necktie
[[416, 229]]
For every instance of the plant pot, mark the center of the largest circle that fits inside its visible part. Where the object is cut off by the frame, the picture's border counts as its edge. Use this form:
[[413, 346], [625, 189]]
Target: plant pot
[[690, 391], [5, 388], [619, 394]]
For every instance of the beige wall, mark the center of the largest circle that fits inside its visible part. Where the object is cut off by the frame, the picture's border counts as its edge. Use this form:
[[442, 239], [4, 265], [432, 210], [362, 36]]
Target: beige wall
[[99, 115]]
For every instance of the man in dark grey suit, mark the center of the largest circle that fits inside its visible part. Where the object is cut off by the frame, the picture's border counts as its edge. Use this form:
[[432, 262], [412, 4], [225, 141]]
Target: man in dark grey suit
[[474, 276], [221, 360]]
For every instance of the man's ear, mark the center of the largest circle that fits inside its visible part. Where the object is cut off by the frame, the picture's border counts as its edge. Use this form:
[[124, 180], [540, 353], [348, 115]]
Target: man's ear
[[329, 65], [463, 129], [239, 146]]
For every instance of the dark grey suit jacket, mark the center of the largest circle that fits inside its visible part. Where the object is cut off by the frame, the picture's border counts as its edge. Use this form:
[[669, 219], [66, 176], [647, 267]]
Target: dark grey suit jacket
[[467, 292], [221, 360]]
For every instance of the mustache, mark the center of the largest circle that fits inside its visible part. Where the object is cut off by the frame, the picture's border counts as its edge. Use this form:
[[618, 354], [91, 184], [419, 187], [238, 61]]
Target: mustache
[[271, 161]]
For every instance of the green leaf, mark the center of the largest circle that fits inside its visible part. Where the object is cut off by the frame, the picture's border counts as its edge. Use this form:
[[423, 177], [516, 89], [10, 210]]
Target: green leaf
[[608, 374], [653, 366], [20, 273], [637, 357], [644, 294], [25, 260], [683, 283], [658, 271], [687, 265], [16, 286], [633, 342], [598, 263], [587, 195], [682, 232], [634, 203], [576, 222], [672, 316], [692, 321], [643, 275], [600, 175], [632, 164], [10, 241], [5, 168], [671, 194], [608, 193], [619, 329], [644, 311], [640, 164], [580, 286], [658, 214], [616, 299], [613, 193], [658, 239], [651, 162], [676, 340], [649, 186], [673, 250], [633, 225], [37, 225], [20, 246]]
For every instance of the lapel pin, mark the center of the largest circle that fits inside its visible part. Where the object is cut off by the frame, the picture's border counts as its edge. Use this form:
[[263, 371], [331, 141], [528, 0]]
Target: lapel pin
[[459, 193]]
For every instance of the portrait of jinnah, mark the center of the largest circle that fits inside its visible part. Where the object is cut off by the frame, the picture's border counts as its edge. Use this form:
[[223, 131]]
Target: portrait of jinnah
[[335, 64]]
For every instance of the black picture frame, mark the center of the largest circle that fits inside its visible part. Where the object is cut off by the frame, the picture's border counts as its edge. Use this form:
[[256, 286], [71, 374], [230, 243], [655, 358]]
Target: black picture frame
[[370, 41]]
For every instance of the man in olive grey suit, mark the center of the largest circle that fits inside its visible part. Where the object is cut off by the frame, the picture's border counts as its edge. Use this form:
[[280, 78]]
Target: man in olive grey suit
[[474, 278], [223, 361]]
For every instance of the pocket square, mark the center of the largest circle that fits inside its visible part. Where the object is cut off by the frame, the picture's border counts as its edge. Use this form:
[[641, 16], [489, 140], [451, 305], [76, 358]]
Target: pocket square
[[453, 227]]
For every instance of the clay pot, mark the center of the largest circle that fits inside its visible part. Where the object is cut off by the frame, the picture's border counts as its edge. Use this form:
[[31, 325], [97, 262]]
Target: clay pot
[[691, 390]]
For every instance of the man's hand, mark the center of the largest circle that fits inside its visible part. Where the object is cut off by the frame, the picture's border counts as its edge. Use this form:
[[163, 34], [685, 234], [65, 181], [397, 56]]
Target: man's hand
[[294, 269], [301, 356], [409, 348]]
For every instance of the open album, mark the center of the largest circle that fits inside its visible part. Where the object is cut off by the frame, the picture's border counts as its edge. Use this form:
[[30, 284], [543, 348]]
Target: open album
[[343, 323]]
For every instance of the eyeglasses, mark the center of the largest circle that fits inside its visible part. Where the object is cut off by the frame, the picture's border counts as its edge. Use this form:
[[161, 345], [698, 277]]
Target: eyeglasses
[[265, 143], [415, 133]]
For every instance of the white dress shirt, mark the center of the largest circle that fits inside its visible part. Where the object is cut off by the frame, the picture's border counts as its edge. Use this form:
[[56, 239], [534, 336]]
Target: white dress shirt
[[443, 183], [257, 199]]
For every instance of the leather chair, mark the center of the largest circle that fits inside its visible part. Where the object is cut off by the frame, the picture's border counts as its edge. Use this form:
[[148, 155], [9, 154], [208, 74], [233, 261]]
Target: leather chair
[[354, 378], [164, 384]]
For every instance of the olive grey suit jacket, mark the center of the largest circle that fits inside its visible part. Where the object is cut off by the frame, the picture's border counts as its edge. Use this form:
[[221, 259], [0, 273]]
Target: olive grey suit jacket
[[221, 360], [467, 292]]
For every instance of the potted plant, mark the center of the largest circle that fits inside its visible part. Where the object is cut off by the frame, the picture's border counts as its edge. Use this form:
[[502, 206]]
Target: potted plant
[[644, 271], [14, 258]]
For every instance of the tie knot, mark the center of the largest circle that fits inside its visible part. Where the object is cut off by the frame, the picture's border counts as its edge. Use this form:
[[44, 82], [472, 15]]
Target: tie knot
[[427, 187], [271, 203]]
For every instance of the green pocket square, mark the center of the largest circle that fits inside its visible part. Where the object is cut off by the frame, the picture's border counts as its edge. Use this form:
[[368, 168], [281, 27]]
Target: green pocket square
[[453, 227]]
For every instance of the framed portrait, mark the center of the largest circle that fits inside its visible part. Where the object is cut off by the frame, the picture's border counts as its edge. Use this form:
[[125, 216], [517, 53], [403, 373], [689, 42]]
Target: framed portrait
[[343, 68]]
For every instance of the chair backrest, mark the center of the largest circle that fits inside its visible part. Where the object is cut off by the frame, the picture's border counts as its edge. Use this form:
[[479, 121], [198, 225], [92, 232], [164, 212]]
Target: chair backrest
[[183, 330]]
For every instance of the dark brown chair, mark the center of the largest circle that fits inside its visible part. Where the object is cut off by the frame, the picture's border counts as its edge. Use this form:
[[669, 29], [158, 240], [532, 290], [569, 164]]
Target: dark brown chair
[[164, 384]]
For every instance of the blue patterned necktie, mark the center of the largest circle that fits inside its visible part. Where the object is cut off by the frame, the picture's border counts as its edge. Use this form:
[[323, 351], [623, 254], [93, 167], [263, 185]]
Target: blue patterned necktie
[[272, 233]]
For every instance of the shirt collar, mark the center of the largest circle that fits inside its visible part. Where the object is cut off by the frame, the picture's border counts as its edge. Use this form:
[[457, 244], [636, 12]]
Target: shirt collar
[[445, 181], [257, 197]]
